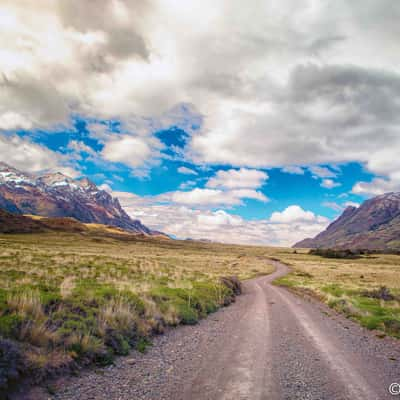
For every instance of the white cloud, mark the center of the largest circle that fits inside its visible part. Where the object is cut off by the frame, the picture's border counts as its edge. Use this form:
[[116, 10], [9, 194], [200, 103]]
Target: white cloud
[[329, 183], [79, 147], [351, 204], [340, 207], [133, 151], [218, 218], [187, 185], [28, 156], [242, 178], [293, 169], [322, 172], [186, 171], [385, 162], [187, 222], [291, 126], [11, 120], [295, 213], [106, 187], [333, 205], [376, 187], [213, 197], [291, 84]]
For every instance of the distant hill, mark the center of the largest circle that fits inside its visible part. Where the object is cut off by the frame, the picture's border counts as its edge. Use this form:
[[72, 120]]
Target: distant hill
[[13, 224], [10, 223], [374, 225], [57, 195]]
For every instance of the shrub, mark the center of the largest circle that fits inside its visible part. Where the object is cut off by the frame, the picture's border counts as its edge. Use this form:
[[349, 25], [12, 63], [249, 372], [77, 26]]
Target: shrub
[[9, 325], [11, 363], [383, 293], [392, 326], [117, 342], [85, 345], [233, 283], [335, 253], [37, 333], [119, 315]]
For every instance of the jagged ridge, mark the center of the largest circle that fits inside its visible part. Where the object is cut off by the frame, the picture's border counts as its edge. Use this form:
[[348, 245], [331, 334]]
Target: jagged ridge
[[57, 195]]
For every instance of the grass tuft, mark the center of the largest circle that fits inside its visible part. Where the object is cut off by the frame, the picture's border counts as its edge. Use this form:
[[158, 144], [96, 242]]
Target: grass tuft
[[365, 288], [67, 298]]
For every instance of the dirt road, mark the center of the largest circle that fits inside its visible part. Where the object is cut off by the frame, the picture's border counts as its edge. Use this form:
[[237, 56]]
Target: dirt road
[[271, 344]]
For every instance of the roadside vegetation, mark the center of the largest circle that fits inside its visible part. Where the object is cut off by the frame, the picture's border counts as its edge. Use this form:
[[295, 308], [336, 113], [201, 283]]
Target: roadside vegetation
[[68, 299], [364, 287]]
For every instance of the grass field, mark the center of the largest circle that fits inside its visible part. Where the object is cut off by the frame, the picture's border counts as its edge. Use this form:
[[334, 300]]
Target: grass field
[[70, 298], [351, 286]]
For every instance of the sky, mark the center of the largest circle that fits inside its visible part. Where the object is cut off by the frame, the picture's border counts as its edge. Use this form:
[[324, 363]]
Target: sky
[[251, 122]]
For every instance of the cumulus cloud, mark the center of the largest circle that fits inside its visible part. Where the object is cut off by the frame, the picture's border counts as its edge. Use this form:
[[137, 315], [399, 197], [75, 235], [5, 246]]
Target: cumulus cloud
[[184, 222], [293, 169], [187, 185], [300, 124], [79, 147], [376, 187], [290, 85], [385, 163], [28, 156], [187, 171], [340, 207], [329, 183], [295, 213], [322, 172], [133, 151], [214, 197], [242, 178]]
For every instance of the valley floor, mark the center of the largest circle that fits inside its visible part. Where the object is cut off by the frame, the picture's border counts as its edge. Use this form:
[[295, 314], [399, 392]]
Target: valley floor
[[270, 344]]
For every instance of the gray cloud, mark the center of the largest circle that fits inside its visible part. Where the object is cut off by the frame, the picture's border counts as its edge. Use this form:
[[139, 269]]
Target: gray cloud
[[290, 84], [122, 38], [325, 114], [323, 43], [35, 100]]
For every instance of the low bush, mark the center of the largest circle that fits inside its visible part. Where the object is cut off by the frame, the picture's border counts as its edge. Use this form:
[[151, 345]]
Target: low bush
[[11, 363], [335, 253], [383, 293]]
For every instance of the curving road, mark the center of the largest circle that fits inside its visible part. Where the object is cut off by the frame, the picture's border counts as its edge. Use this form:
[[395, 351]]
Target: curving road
[[271, 344]]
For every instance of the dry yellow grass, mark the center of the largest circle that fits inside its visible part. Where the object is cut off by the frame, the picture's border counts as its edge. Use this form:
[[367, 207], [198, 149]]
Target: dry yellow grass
[[365, 273], [89, 296], [129, 265], [351, 286]]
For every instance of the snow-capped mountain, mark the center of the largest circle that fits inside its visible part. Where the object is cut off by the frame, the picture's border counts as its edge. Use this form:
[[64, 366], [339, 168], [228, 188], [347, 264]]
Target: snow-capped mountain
[[57, 195]]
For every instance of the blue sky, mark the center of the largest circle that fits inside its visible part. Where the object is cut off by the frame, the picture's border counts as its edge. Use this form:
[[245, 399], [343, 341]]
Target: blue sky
[[282, 188], [208, 119]]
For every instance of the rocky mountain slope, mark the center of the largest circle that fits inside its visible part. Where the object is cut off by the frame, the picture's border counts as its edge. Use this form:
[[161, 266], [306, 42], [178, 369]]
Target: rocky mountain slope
[[373, 225], [57, 195]]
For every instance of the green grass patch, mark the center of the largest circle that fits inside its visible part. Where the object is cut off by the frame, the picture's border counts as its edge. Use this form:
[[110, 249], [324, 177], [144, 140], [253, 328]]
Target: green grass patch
[[75, 299]]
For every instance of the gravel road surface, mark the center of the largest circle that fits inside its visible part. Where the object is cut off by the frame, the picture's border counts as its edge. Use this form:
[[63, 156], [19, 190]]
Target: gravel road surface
[[270, 344]]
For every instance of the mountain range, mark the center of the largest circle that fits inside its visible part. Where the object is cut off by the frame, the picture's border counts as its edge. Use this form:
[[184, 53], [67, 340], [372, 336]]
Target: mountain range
[[57, 195], [375, 225]]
